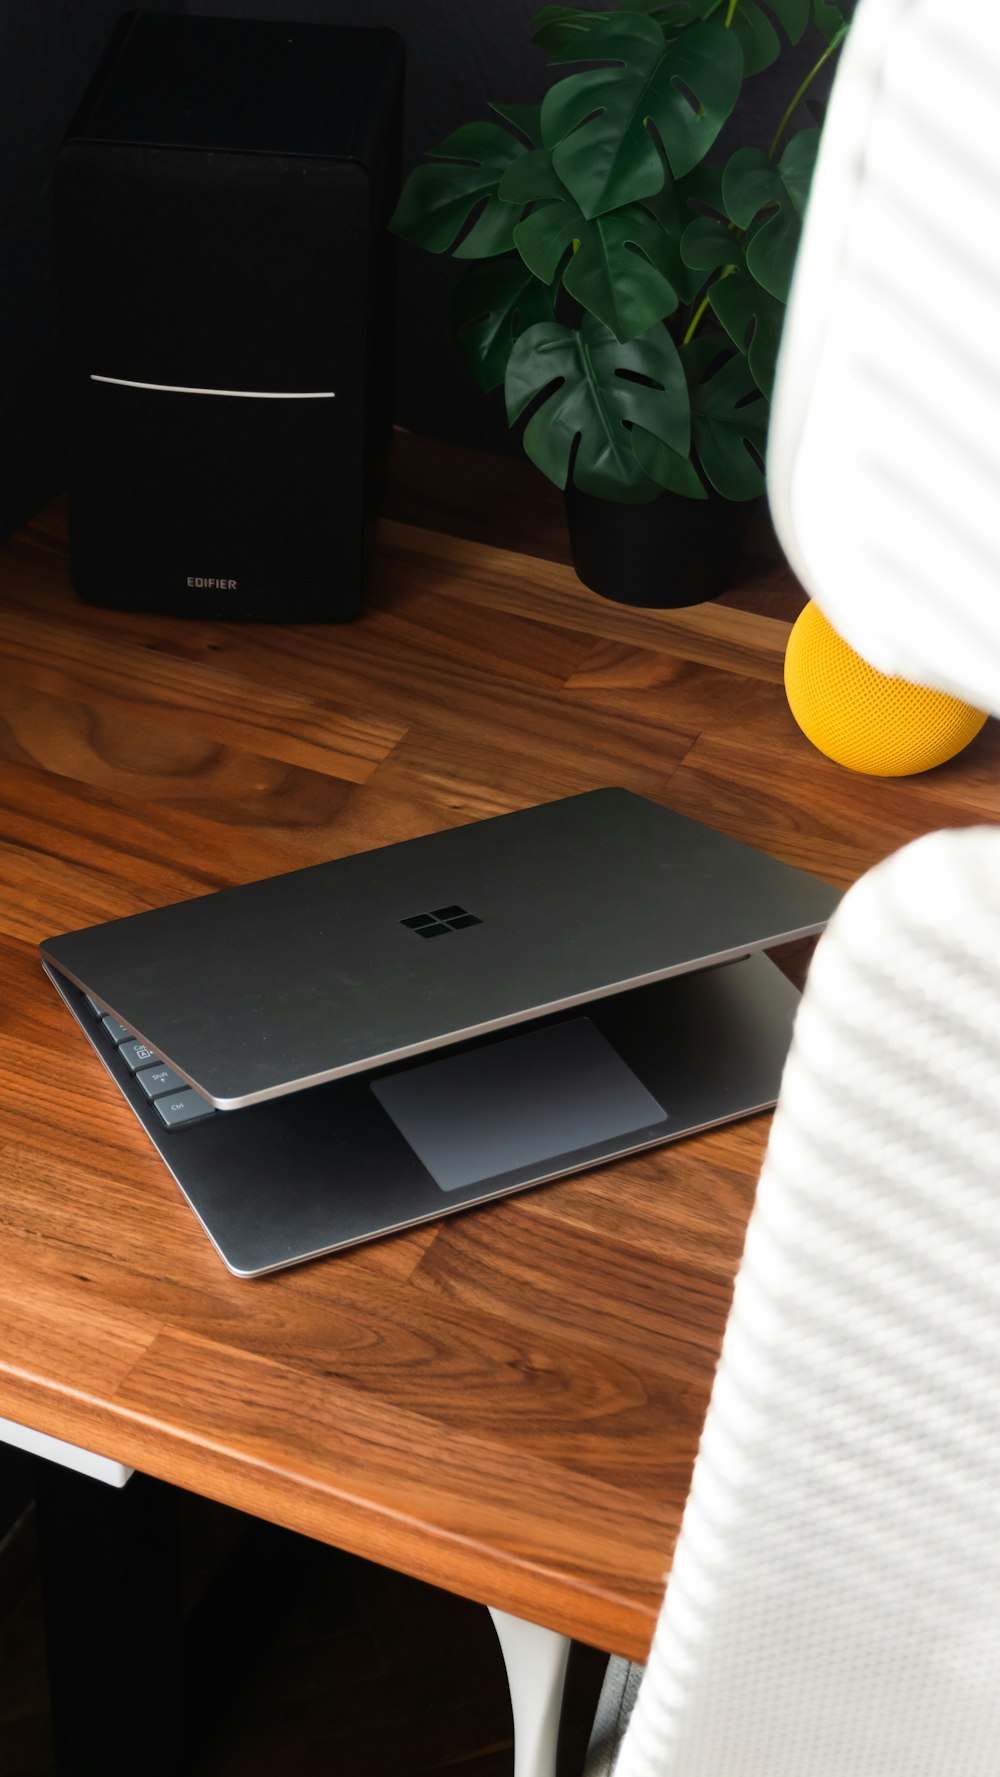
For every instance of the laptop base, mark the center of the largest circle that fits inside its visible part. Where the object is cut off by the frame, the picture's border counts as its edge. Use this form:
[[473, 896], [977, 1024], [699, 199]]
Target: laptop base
[[313, 1172]]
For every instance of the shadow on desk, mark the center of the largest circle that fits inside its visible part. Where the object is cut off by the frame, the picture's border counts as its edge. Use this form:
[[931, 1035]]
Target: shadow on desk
[[299, 1660]]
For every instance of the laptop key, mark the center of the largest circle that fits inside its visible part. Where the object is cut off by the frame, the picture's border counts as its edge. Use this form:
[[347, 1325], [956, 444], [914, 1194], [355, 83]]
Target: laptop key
[[117, 1031], [183, 1107], [136, 1055], [155, 1081]]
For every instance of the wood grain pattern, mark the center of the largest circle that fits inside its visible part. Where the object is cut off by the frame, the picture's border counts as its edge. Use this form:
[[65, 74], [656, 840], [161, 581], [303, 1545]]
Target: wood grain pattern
[[508, 1402]]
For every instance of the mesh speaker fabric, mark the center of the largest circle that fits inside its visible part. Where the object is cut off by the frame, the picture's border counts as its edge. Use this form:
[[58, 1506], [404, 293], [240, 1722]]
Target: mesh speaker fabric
[[860, 717], [834, 1604], [227, 303]]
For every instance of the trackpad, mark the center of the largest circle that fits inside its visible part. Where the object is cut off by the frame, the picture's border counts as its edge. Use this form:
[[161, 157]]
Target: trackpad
[[516, 1103]]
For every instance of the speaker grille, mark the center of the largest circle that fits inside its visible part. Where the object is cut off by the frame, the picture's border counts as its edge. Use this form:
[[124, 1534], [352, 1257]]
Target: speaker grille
[[860, 717]]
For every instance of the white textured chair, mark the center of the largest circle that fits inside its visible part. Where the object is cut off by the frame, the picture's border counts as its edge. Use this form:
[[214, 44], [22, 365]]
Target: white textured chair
[[834, 1604], [833, 1608]]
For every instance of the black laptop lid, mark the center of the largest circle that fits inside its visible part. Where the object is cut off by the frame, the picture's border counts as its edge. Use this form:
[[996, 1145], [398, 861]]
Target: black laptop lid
[[271, 987]]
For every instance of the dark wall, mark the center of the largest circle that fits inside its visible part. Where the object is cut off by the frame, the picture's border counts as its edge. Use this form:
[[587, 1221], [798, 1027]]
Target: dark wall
[[461, 53]]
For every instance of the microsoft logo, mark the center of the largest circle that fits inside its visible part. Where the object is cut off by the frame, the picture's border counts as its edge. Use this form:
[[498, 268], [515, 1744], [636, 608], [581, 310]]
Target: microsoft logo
[[440, 920]]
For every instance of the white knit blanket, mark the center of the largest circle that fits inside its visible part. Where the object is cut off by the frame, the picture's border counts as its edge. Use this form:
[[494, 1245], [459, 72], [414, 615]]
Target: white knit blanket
[[834, 1604]]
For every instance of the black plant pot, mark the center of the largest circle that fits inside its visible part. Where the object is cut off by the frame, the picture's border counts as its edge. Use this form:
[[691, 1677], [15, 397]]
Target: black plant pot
[[671, 552]]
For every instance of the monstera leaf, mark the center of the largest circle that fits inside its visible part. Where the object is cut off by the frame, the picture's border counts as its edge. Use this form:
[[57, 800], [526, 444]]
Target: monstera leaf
[[590, 388], [526, 118], [625, 271], [438, 200], [673, 15], [595, 122], [545, 237], [753, 319], [490, 305], [674, 206], [557, 28], [728, 428], [531, 179], [560, 28], [752, 184], [757, 36], [792, 15], [832, 18], [665, 467], [709, 242], [728, 419], [624, 268]]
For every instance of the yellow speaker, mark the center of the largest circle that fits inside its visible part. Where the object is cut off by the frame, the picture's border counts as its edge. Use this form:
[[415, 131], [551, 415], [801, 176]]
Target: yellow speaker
[[860, 717]]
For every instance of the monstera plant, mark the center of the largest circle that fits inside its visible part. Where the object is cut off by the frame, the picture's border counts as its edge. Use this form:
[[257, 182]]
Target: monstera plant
[[627, 291]]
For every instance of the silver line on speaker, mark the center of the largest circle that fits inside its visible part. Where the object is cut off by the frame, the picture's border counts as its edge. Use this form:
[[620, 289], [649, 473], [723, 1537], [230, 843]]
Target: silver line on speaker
[[125, 382]]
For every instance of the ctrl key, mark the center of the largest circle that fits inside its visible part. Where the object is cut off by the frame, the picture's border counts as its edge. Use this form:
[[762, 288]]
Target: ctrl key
[[182, 1107]]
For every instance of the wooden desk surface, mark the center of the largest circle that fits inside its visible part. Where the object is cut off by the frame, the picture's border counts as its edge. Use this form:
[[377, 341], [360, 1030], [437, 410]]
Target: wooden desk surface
[[506, 1403]]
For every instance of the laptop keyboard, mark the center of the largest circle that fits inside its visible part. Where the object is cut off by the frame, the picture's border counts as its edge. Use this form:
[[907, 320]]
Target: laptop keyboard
[[174, 1101]]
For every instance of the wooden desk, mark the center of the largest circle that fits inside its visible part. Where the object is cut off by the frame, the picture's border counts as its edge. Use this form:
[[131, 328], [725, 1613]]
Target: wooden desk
[[506, 1403]]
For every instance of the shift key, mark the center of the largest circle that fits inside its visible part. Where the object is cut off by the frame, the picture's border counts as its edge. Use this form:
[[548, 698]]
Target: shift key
[[155, 1081]]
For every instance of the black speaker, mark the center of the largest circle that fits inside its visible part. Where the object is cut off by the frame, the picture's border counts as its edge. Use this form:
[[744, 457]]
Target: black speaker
[[227, 293]]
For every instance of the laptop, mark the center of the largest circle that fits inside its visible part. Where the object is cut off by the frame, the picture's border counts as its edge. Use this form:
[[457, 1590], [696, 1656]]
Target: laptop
[[346, 1050]]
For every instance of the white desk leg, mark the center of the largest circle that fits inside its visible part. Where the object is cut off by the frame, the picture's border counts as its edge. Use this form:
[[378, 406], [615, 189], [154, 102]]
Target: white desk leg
[[85, 1462], [535, 1659]]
